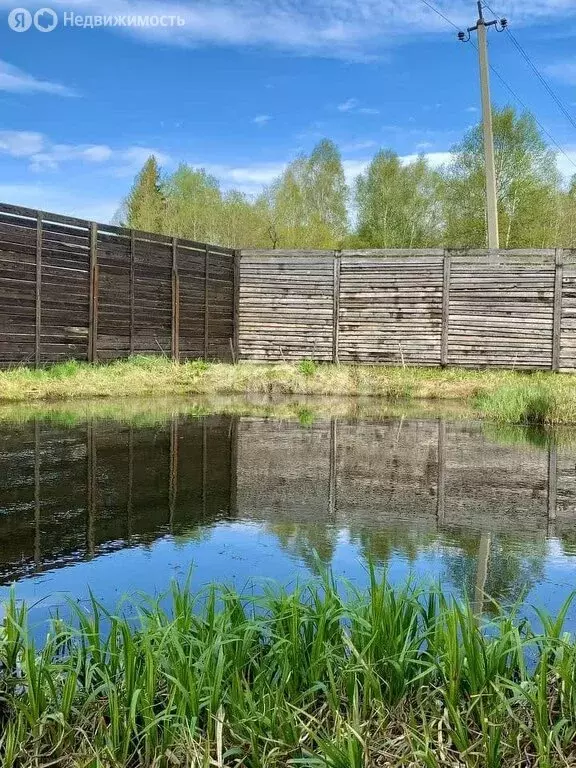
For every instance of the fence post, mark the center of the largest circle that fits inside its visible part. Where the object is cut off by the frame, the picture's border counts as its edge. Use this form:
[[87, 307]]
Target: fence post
[[557, 312], [173, 474], [333, 471], [38, 296], [93, 310], [336, 307], [552, 481], [37, 501], [175, 302], [131, 288], [236, 308], [91, 486], [441, 475], [206, 312], [445, 309]]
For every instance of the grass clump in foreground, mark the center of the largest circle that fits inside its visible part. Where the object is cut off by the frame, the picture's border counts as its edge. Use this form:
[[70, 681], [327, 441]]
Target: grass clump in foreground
[[379, 678], [507, 396]]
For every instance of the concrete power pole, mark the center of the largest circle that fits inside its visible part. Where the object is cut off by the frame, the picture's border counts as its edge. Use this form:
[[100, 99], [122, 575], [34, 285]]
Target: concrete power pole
[[481, 28]]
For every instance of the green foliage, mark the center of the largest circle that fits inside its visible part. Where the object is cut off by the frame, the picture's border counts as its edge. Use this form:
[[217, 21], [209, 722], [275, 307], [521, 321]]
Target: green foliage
[[528, 403], [145, 205], [308, 367], [308, 202], [528, 186], [398, 204], [324, 675], [306, 417], [193, 205]]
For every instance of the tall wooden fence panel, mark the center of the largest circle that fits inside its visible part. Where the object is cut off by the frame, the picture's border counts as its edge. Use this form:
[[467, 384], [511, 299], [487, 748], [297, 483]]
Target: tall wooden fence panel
[[74, 289], [502, 310], [287, 305], [512, 309], [390, 309]]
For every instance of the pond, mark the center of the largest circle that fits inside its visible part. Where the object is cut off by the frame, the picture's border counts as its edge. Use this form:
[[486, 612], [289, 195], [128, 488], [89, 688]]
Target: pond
[[122, 504]]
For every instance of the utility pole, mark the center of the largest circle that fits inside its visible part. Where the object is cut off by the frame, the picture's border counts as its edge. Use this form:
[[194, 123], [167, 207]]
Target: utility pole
[[481, 28]]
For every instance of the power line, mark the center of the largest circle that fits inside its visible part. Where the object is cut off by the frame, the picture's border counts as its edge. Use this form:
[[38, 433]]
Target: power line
[[538, 74], [505, 84], [525, 107]]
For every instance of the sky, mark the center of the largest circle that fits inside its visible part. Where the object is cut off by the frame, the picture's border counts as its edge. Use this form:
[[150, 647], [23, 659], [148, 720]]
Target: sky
[[240, 87]]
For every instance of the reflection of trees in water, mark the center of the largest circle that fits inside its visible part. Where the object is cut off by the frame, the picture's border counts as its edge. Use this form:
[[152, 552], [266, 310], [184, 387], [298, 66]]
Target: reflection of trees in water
[[498, 566], [379, 545], [191, 535], [313, 544]]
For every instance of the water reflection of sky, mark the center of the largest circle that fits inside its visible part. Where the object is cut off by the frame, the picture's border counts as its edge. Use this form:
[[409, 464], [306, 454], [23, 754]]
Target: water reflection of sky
[[247, 554]]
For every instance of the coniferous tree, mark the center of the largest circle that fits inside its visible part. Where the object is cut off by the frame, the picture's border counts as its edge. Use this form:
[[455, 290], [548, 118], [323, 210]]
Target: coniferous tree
[[145, 205]]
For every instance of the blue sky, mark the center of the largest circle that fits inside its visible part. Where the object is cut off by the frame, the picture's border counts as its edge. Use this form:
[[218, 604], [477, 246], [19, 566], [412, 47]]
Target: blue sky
[[241, 87]]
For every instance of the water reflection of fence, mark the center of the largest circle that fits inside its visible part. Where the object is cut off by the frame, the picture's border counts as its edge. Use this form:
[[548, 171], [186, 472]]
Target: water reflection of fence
[[429, 473], [73, 493], [69, 494]]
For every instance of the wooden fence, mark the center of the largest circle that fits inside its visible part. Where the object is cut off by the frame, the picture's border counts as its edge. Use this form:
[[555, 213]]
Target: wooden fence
[[71, 288], [512, 309]]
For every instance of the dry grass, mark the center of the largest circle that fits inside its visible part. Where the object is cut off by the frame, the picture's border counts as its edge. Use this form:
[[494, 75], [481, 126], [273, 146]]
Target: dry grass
[[507, 396]]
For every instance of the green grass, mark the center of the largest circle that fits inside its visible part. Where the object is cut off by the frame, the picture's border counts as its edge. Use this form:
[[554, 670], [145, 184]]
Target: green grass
[[506, 396], [380, 677]]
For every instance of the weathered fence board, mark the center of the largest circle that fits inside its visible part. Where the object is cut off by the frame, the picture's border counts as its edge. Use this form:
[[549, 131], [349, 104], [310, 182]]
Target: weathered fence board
[[71, 288], [509, 309]]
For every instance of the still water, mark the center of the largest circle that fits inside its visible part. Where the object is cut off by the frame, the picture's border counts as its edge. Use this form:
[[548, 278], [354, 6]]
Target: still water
[[121, 506]]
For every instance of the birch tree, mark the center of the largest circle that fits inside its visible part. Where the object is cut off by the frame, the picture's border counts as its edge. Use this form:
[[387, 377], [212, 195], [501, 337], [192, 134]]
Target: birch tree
[[528, 186], [398, 204]]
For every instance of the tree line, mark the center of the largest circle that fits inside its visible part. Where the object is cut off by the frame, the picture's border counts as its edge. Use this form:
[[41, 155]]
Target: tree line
[[392, 204]]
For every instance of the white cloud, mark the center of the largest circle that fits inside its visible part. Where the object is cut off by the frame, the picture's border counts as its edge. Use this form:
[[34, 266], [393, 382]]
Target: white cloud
[[129, 161], [253, 176], [357, 146], [21, 143], [353, 105], [44, 155], [424, 145], [56, 154], [565, 71], [334, 28], [471, 109], [261, 119], [348, 105], [436, 159], [567, 162], [14, 80]]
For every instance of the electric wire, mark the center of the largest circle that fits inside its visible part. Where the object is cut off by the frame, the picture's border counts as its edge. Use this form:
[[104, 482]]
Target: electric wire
[[558, 101], [505, 84]]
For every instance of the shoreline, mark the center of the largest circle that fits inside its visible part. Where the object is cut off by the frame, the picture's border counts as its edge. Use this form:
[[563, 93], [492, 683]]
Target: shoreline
[[511, 397]]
